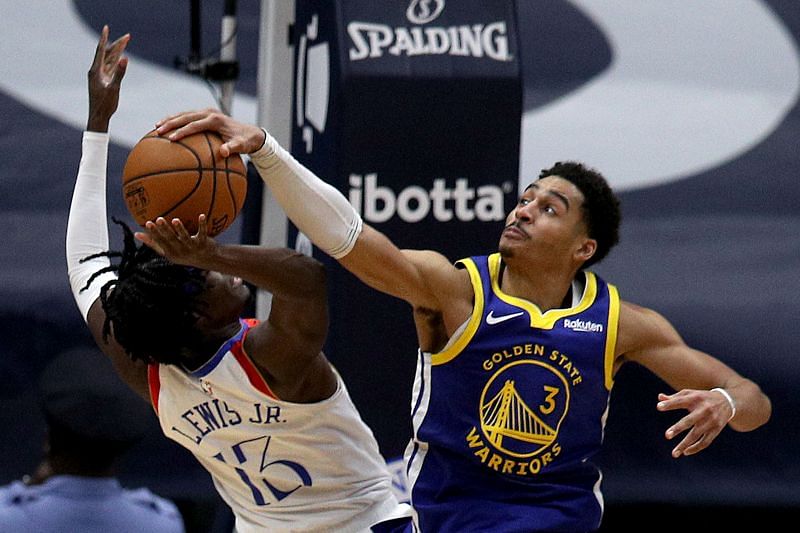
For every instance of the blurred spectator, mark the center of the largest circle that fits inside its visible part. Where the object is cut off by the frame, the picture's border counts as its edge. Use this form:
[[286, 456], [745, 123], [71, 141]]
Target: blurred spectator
[[92, 420]]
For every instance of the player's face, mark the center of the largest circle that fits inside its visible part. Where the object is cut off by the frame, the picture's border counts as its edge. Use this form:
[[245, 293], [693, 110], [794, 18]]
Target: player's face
[[224, 297], [548, 219]]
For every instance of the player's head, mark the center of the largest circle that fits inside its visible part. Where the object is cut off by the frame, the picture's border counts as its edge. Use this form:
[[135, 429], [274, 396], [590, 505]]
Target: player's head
[[600, 207], [569, 208], [162, 312]]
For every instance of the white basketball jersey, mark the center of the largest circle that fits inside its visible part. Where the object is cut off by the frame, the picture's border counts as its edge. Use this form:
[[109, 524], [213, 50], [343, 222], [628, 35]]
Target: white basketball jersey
[[280, 466]]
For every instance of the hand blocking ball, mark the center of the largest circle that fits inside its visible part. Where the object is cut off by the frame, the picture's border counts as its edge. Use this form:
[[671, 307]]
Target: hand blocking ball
[[183, 179]]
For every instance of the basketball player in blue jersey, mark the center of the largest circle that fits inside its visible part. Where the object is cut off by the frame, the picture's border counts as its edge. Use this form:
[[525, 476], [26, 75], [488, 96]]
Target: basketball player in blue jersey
[[257, 403], [518, 349]]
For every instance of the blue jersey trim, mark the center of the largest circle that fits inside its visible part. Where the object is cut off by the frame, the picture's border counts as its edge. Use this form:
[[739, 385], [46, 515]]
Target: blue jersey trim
[[225, 348]]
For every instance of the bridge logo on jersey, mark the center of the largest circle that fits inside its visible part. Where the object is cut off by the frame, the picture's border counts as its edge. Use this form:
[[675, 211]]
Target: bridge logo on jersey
[[521, 410]]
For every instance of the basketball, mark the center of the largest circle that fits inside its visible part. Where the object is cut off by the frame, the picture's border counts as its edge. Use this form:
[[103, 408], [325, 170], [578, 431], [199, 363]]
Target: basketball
[[183, 179]]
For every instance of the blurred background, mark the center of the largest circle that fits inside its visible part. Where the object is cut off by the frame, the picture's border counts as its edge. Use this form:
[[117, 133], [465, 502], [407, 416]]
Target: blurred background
[[430, 116]]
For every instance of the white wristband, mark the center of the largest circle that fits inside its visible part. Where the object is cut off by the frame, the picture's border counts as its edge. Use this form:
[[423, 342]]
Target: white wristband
[[729, 398]]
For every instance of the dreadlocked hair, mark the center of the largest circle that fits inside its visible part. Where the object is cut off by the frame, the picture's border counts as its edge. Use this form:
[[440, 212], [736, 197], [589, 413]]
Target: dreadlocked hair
[[151, 304]]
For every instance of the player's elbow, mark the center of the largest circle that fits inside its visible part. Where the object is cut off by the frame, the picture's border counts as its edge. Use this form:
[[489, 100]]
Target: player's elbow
[[767, 409], [306, 278], [764, 410], [316, 276]]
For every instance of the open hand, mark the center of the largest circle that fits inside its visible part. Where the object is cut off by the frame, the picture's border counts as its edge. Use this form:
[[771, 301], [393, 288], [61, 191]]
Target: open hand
[[172, 240], [708, 414], [105, 78]]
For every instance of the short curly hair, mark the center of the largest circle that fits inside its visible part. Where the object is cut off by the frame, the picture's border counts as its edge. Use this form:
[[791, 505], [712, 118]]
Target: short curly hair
[[601, 207]]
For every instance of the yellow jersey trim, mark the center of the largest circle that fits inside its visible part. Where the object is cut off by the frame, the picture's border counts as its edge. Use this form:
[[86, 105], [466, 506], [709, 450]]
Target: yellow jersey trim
[[611, 336], [549, 318], [455, 348]]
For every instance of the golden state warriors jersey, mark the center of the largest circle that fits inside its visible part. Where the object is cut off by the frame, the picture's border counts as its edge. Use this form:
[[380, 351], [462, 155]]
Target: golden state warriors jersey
[[508, 417], [280, 466]]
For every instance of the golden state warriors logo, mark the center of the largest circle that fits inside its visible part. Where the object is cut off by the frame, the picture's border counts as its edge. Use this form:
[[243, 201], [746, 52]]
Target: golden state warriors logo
[[521, 421], [521, 410]]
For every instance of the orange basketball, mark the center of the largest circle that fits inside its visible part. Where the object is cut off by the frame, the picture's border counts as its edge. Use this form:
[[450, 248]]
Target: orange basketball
[[183, 179]]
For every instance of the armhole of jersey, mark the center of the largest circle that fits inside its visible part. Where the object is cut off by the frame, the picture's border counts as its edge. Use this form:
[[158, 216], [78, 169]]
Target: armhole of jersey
[[455, 348], [249, 367], [611, 337], [154, 383]]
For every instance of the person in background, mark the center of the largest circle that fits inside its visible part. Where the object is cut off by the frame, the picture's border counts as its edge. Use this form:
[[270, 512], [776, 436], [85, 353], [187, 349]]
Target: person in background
[[518, 349], [92, 420], [255, 401]]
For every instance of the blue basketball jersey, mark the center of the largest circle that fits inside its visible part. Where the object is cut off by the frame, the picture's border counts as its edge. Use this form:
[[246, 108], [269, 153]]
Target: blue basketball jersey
[[508, 417]]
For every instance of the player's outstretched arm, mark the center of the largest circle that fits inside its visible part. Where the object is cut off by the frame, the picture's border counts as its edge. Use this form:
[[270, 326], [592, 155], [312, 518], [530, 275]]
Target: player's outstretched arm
[[87, 226], [713, 393], [320, 211]]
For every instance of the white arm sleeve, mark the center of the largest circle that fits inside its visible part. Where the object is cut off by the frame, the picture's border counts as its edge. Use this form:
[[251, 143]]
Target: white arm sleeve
[[318, 209], [87, 229]]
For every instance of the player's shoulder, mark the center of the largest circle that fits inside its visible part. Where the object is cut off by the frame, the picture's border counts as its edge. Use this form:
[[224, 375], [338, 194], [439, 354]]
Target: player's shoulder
[[633, 317], [641, 326], [635, 312], [434, 266], [429, 257]]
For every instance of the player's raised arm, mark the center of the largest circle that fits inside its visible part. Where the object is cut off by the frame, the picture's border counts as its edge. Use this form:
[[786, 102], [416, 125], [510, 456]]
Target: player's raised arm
[[88, 265]]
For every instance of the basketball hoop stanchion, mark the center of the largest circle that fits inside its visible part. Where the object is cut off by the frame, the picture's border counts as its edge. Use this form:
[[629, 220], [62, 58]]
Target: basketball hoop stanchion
[[227, 54], [223, 70]]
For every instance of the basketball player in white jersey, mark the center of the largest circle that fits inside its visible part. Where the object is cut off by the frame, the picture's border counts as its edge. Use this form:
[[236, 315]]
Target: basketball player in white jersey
[[256, 402]]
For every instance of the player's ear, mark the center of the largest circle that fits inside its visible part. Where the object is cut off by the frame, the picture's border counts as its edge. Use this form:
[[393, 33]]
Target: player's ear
[[201, 318], [587, 250]]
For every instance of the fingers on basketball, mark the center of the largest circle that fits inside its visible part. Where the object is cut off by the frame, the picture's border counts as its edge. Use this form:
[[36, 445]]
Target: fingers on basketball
[[184, 179]]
